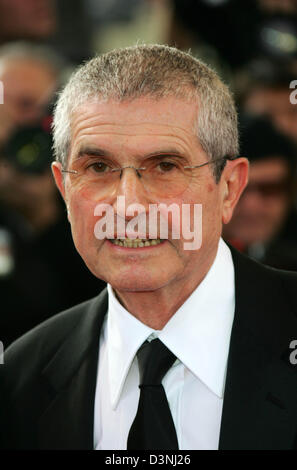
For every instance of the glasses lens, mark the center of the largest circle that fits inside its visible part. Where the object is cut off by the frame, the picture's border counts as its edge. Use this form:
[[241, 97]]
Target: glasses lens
[[166, 178], [96, 180]]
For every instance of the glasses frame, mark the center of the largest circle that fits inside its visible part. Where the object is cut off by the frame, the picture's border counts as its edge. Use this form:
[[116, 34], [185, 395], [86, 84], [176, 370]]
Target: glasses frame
[[227, 157]]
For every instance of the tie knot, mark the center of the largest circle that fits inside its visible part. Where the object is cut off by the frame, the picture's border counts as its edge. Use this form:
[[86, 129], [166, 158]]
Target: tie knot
[[154, 360]]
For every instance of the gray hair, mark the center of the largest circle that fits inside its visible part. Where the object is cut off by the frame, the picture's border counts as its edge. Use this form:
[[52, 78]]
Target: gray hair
[[156, 71]]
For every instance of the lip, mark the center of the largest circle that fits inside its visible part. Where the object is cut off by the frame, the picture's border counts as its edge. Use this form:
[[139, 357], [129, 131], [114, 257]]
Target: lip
[[133, 250]]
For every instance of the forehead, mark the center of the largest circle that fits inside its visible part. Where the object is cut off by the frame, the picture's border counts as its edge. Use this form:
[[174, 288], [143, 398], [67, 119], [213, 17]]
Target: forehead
[[139, 121]]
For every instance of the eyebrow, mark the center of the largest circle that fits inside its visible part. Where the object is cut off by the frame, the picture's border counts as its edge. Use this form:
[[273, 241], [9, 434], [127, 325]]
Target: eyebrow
[[93, 151], [100, 152]]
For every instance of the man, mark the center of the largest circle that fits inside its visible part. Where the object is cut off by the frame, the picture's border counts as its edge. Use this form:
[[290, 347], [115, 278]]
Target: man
[[267, 88], [219, 375], [30, 76], [264, 223]]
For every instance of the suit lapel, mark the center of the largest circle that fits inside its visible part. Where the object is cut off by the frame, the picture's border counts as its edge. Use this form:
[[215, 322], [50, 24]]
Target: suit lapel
[[70, 382], [260, 407]]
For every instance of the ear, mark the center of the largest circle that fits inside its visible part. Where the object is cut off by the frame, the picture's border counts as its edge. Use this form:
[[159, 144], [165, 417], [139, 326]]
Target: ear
[[58, 177], [235, 178]]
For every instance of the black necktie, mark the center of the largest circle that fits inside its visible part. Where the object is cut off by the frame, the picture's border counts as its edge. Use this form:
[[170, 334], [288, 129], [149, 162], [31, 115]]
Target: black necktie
[[153, 427]]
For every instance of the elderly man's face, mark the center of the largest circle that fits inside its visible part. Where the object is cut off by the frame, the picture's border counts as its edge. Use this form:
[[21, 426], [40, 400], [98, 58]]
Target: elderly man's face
[[129, 132]]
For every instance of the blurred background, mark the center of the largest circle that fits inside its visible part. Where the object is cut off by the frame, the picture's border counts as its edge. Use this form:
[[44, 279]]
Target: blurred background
[[253, 46]]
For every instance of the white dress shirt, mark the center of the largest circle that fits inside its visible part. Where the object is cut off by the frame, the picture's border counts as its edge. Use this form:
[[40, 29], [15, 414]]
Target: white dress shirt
[[198, 334]]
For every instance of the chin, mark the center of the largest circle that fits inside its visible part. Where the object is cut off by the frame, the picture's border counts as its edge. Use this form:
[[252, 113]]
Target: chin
[[136, 282]]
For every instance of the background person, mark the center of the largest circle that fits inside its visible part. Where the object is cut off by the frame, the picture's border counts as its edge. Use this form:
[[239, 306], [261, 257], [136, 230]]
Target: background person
[[33, 222], [264, 224], [264, 90], [30, 75], [34, 236]]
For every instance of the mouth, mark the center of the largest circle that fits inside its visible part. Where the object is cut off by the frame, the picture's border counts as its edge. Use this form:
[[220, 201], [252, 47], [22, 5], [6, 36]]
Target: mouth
[[136, 243]]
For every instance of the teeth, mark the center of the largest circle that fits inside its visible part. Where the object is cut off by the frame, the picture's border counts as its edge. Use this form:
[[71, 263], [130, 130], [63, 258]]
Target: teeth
[[135, 243]]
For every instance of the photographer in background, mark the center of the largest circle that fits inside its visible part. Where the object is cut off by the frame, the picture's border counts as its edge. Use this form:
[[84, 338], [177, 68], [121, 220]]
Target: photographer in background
[[34, 237], [30, 75], [264, 224]]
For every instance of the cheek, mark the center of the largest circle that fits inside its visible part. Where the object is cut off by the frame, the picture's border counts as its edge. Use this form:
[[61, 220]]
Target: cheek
[[213, 210], [210, 187], [86, 192], [82, 219], [197, 212]]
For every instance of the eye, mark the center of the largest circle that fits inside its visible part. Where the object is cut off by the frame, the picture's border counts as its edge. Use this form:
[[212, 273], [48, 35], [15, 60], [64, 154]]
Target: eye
[[166, 167], [99, 167]]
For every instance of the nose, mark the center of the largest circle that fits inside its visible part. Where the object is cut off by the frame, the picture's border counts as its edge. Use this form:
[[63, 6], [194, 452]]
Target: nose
[[131, 187]]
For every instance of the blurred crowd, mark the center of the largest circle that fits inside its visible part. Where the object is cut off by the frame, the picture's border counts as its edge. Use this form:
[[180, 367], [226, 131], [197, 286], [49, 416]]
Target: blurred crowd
[[251, 43]]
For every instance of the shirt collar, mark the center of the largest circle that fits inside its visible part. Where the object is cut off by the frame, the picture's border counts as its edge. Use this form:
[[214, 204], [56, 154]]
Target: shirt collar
[[205, 320], [125, 335], [198, 333]]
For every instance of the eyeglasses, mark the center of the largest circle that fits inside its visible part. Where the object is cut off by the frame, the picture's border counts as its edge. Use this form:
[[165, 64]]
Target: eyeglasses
[[161, 176]]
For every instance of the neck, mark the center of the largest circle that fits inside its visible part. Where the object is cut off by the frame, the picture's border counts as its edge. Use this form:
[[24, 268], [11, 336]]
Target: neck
[[155, 308]]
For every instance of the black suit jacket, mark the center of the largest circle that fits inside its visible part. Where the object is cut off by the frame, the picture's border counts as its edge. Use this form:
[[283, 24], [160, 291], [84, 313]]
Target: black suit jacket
[[49, 377]]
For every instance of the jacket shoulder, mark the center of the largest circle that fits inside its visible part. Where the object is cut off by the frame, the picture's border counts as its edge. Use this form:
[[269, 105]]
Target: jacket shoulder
[[52, 350], [47, 335], [289, 282], [33, 350], [254, 278]]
